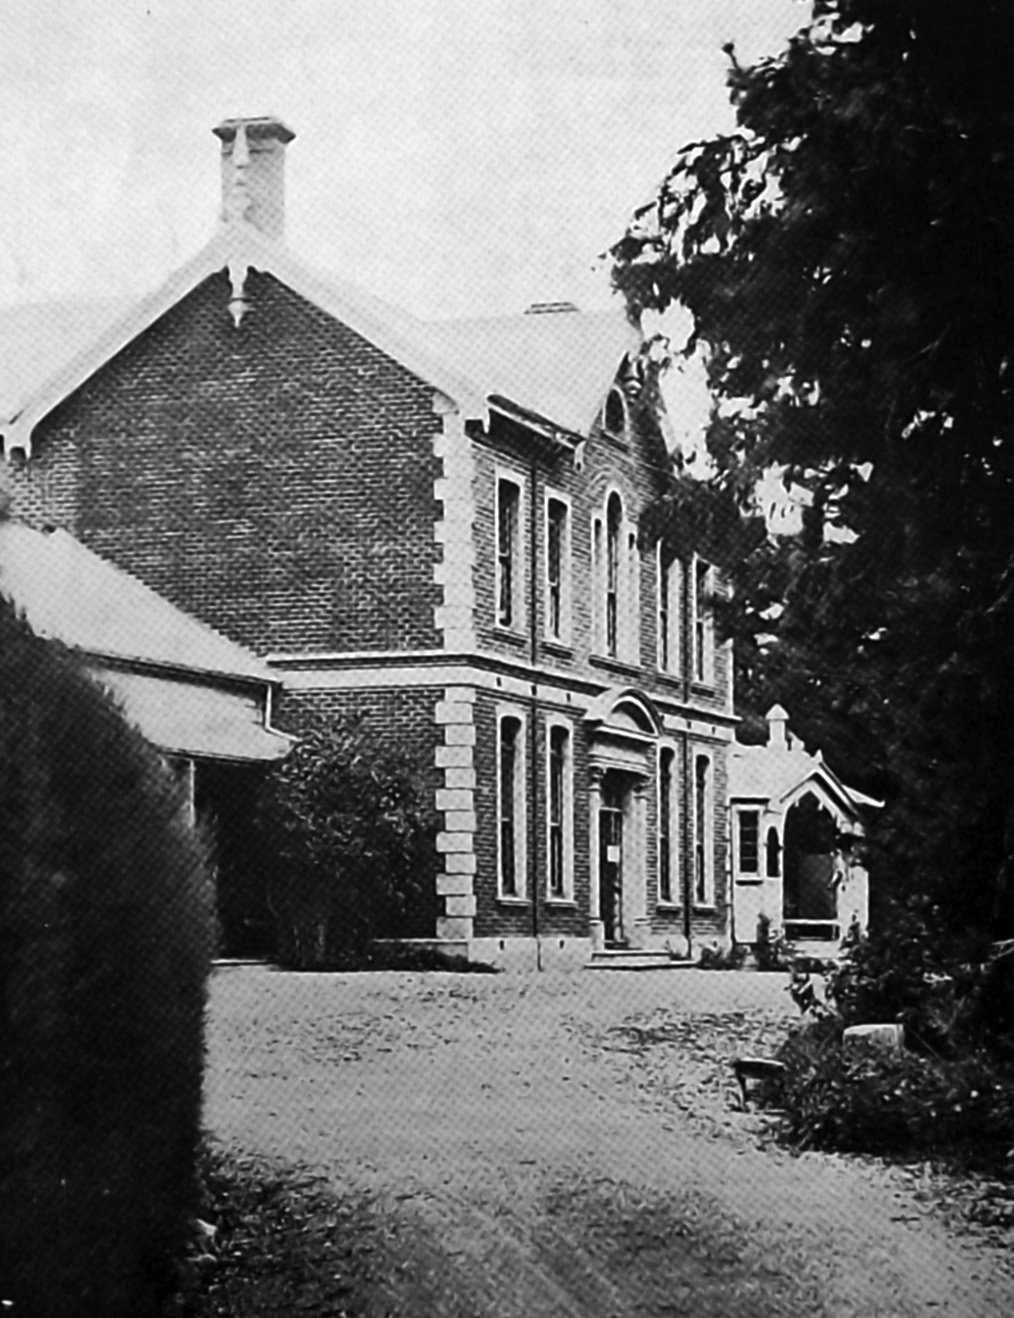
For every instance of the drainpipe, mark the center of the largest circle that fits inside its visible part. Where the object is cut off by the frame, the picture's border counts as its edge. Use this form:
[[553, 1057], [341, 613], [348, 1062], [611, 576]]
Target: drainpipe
[[533, 758], [689, 859]]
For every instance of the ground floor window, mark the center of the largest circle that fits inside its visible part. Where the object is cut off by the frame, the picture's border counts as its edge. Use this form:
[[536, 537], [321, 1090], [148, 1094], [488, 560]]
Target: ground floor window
[[510, 806], [703, 840], [748, 842], [666, 832], [558, 809]]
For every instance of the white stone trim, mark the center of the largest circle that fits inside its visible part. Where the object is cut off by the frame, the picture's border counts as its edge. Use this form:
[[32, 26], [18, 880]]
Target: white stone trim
[[455, 616], [454, 713], [520, 713], [567, 896]]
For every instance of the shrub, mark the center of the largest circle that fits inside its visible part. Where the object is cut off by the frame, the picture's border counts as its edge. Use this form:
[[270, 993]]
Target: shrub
[[871, 1100], [352, 849], [105, 939]]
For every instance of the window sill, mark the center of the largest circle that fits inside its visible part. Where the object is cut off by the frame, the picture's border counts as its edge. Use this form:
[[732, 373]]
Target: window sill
[[509, 635], [750, 879], [670, 678], [613, 664], [705, 908], [704, 687], [568, 903], [513, 901], [562, 649], [668, 908]]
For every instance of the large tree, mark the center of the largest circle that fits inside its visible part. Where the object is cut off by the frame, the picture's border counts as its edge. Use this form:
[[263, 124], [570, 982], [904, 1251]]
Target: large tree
[[847, 256]]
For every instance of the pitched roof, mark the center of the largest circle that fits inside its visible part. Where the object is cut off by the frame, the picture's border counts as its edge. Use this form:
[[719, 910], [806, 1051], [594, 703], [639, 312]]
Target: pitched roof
[[557, 366], [774, 772], [38, 338], [70, 594]]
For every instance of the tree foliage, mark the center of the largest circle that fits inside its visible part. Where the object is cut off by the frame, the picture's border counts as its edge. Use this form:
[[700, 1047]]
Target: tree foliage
[[848, 260], [351, 846], [106, 933]]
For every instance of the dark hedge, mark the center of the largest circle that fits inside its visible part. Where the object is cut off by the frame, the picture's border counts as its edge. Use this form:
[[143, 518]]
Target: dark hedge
[[106, 934]]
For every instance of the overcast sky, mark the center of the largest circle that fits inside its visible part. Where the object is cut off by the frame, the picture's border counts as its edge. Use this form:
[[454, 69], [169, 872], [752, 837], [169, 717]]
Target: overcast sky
[[453, 156]]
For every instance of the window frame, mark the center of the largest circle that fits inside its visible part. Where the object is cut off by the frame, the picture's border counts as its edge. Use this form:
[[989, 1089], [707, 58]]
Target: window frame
[[743, 815], [560, 829], [704, 827], [509, 550], [667, 611], [702, 630], [562, 635], [668, 829], [614, 572], [516, 891]]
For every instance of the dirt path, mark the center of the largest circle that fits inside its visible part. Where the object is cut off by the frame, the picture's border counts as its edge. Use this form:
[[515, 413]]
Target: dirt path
[[525, 1162]]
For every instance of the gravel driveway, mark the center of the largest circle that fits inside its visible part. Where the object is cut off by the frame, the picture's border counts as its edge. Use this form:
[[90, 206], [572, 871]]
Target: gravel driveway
[[567, 1145]]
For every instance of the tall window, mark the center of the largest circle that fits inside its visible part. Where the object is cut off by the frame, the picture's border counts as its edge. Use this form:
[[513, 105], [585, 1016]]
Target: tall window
[[511, 808], [703, 576], [508, 553], [666, 767], [557, 809], [748, 842], [772, 854], [556, 568], [702, 831], [614, 519], [667, 578]]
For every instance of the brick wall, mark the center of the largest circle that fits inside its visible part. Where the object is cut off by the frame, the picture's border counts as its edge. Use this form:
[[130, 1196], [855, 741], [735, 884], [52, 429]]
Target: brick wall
[[275, 480], [634, 466], [398, 722], [513, 919]]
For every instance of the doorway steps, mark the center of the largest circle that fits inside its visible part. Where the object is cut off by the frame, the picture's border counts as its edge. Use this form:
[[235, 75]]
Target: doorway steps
[[635, 958]]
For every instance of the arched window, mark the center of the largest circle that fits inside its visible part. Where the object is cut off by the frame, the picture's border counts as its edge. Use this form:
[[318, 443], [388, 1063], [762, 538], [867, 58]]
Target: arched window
[[703, 839], [511, 807], [614, 415], [666, 830], [772, 854], [614, 524]]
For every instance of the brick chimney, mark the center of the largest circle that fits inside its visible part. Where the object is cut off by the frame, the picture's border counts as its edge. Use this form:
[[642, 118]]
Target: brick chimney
[[253, 172]]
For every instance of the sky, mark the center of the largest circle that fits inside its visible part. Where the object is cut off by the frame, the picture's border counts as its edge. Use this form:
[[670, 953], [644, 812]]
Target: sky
[[455, 157]]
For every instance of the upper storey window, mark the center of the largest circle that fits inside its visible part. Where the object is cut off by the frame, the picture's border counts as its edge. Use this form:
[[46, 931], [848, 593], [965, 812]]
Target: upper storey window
[[703, 620], [614, 553], [614, 414], [617, 577], [509, 599], [557, 569]]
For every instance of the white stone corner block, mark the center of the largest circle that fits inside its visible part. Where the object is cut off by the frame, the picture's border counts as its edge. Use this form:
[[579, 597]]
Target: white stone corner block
[[454, 928], [454, 885], [455, 841], [449, 799], [461, 906], [460, 862], [459, 821], [454, 711]]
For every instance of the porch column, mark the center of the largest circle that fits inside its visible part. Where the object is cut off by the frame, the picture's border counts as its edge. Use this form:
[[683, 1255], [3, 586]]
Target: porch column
[[636, 878], [596, 929]]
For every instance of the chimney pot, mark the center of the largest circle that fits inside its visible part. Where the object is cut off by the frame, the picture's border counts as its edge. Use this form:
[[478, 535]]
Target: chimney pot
[[253, 171]]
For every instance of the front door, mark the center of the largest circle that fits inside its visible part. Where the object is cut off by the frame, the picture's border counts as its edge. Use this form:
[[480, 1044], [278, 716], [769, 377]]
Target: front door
[[611, 864]]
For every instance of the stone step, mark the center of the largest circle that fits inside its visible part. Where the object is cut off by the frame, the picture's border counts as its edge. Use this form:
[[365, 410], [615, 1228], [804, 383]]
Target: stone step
[[634, 958]]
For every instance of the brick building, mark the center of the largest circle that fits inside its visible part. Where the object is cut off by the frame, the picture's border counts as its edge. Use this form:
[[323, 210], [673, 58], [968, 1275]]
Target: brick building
[[434, 527]]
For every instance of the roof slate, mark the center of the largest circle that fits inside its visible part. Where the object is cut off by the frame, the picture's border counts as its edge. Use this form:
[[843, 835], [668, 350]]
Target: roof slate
[[556, 365], [68, 593]]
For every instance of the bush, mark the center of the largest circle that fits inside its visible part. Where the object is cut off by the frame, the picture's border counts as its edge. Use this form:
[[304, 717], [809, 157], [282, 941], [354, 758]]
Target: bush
[[872, 1100], [352, 850], [105, 942]]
